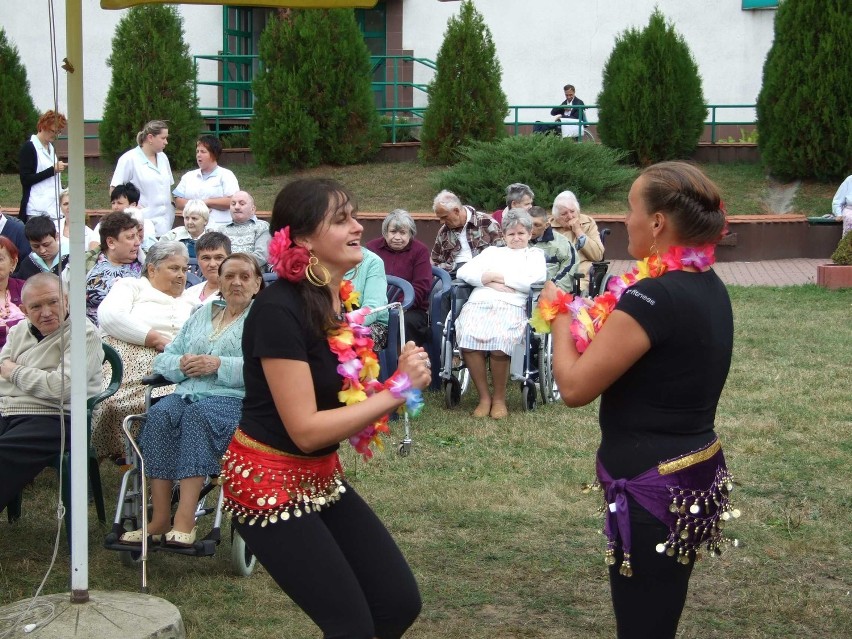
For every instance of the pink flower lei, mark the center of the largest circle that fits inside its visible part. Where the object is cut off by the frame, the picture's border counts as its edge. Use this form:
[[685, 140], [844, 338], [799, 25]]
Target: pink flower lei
[[589, 315]]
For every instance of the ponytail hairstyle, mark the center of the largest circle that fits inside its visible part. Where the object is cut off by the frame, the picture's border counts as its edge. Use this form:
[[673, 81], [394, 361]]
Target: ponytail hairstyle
[[690, 200], [302, 205], [154, 127]]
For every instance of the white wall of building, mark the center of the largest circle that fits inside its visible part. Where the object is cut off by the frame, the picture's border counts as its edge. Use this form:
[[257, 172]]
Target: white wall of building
[[27, 25], [545, 44], [542, 45]]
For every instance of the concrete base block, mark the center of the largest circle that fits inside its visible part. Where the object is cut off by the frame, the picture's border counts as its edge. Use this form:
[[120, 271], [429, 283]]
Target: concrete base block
[[107, 615]]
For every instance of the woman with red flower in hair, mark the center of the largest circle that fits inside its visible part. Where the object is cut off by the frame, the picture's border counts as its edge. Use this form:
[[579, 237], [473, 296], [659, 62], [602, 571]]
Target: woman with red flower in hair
[[311, 379]]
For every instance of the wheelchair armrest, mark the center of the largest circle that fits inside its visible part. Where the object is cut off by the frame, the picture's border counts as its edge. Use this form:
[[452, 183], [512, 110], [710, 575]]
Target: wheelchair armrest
[[155, 380]]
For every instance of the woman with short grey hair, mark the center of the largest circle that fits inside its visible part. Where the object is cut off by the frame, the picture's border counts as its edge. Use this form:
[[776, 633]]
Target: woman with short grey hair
[[196, 215], [580, 229], [139, 317], [493, 320], [518, 196], [399, 219], [407, 258]]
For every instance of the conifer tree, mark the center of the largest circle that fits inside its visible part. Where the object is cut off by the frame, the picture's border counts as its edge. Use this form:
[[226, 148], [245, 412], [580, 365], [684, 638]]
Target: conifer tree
[[466, 101], [313, 100], [804, 110], [153, 78], [18, 115], [651, 103]]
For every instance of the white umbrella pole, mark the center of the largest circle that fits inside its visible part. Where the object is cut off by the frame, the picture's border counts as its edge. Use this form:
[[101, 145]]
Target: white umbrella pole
[[77, 296]]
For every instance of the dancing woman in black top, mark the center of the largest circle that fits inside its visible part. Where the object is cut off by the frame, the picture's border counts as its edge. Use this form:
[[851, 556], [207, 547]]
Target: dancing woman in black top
[[283, 481], [659, 363]]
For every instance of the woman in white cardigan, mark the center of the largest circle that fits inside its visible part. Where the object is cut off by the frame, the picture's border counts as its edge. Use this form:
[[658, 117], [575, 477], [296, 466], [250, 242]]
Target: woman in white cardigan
[[139, 317], [493, 320]]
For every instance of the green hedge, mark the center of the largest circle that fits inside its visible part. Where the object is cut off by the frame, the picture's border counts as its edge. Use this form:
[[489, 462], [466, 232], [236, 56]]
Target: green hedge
[[548, 164]]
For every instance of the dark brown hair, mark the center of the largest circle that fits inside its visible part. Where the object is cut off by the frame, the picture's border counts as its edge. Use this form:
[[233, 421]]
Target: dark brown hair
[[688, 197], [212, 144], [302, 205]]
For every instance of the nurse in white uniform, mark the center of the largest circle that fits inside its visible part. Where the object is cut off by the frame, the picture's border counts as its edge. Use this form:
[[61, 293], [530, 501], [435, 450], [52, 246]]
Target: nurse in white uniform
[[149, 169]]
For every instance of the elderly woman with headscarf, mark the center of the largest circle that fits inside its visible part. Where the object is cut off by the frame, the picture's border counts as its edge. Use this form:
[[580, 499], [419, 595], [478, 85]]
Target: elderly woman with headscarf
[[139, 318], [493, 320], [407, 258]]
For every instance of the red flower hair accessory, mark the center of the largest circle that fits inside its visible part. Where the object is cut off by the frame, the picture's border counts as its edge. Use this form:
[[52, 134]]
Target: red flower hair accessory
[[286, 258]]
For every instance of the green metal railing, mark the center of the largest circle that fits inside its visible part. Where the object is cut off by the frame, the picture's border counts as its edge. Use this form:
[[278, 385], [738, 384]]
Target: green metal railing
[[516, 121], [398, 120]]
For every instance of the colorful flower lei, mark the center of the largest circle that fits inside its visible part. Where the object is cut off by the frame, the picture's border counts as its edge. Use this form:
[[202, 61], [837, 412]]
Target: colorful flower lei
[[352, 343], [590, 314]]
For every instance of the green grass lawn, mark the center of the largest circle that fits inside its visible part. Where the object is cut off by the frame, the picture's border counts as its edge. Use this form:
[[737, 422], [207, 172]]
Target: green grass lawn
[[409, 185], [504, 543]]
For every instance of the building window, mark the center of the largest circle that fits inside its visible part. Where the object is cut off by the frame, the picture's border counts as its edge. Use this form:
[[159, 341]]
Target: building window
[[759, 4]]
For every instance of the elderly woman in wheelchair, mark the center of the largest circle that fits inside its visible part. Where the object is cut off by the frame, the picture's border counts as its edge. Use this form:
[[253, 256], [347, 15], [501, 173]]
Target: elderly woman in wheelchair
[[493, 319], [186, 433]]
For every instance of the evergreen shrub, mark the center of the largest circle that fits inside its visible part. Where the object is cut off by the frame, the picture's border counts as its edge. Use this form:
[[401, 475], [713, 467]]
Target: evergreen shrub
[[18, 115], [546, 163], [153, 78], [651, 103], [804, 110], [843, 253], [466, 101], [313, 99]]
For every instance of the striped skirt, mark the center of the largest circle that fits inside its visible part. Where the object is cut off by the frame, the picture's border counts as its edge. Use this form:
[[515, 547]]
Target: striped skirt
[[491, 326]]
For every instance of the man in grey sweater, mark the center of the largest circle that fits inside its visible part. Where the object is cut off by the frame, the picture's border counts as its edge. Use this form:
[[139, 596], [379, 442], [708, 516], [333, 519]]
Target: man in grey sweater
[[35, 377]]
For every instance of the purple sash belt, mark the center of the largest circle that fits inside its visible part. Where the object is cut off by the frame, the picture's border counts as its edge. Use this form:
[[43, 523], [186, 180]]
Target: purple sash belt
[[689, 494]]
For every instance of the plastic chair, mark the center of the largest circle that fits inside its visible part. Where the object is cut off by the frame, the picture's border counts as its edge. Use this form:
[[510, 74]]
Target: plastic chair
[[441, 285], [399, 290], [64, 461]]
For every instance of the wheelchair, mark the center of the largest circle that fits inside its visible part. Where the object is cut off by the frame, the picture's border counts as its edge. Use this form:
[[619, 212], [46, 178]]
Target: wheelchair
[[133, 508], [531, 361]]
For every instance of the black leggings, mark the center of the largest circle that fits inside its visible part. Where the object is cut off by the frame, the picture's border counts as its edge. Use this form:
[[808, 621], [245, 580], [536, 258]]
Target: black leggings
[[648, 604], [342, 567]]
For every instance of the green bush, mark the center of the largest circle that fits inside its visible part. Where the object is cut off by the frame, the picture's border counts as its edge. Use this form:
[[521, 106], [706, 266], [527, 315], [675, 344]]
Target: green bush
[[313, 100], [843, 253], [651, 103], [466, 102], [804, 110], [548, 164], [153, 78], [18, 115]]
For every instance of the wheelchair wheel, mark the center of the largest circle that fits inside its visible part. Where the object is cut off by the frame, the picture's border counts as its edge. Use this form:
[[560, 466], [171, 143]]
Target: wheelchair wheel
[[528, 395], [549, 390], [242, 558], [452, 392]]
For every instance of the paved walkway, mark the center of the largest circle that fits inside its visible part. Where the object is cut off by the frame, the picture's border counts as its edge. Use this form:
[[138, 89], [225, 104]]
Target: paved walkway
[[764, 273]]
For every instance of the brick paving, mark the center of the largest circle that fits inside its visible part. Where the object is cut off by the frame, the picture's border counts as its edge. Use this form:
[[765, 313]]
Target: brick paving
[[763, 273]]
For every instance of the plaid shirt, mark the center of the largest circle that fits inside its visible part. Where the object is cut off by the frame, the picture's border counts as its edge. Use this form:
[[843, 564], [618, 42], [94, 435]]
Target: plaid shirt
[[481, 232]]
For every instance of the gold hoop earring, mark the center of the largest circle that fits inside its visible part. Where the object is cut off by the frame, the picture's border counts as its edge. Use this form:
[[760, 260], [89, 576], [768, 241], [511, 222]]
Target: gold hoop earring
[[319, 282]]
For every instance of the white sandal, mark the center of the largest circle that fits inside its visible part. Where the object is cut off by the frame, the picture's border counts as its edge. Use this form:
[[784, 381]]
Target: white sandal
[[181, 539], [134, 538]]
